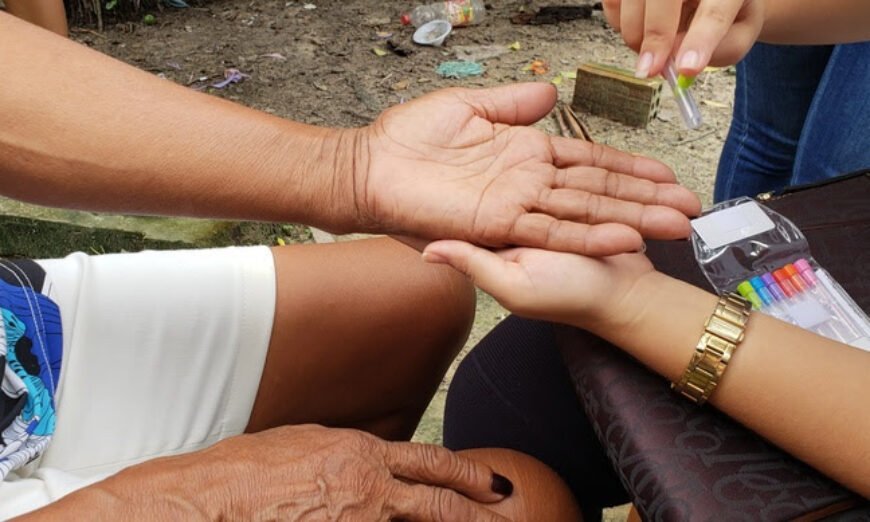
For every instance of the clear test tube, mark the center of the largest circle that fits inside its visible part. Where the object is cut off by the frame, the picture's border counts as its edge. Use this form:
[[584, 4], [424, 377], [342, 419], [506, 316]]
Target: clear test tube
[[685, 101]]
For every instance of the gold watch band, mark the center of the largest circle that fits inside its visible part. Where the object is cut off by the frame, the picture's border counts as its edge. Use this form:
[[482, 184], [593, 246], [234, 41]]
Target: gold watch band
[[723, 331]]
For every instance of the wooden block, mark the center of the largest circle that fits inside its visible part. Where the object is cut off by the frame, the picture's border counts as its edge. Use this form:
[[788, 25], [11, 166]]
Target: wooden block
[[616, 94]]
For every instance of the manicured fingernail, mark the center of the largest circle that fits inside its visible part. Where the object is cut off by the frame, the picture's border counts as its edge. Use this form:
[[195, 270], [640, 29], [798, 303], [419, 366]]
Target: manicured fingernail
[[501, 485], [641, 250], [689, 60], [643, 64], [430, 257]]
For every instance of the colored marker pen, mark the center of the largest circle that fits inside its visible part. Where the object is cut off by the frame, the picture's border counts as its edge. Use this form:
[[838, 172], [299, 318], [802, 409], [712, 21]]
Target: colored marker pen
[[771, 303], [775, 290], [745, 289], [685, 101], [784, 282], [781, 294], [761, 290]]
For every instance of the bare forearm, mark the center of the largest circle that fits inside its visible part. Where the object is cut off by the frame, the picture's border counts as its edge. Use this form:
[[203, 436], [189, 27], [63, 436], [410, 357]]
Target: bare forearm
[[814, 22], [82, 130], [783, 382]]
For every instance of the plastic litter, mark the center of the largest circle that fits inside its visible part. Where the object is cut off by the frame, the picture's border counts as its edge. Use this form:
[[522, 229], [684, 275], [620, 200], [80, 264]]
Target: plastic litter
[[457, 12], [454, 69], [432, 33], [230, 76]]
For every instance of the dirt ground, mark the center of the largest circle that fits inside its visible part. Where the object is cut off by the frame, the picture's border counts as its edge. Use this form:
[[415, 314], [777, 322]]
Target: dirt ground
[[315, 62]]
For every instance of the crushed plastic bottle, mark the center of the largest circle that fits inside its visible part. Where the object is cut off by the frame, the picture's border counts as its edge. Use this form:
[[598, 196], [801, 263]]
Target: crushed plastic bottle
[[458, 12]]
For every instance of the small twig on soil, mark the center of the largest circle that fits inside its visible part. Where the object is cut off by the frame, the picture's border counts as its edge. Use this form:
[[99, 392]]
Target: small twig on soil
[[560, 120], [577, 126], [696, 138], [91, 31], [365, 119], [361, 93]]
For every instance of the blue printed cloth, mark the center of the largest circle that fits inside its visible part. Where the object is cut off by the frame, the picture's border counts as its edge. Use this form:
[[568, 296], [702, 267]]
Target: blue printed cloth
[[31, 349]]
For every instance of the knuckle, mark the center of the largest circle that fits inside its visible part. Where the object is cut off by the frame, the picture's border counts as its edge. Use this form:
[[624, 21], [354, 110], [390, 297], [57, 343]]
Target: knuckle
[[444, 505], [583, 205], [656, 35], [593, 209], [612, 184], [716, 14], [552, 233], [597, 153], [632, 39], [432, 458], [363, 442]]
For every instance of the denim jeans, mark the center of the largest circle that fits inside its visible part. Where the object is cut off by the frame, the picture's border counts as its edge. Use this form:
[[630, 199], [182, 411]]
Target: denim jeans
[[801, 114]]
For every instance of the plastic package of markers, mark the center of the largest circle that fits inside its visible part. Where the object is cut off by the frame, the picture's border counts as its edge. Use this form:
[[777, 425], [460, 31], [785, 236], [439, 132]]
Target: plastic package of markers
[[744, 247]]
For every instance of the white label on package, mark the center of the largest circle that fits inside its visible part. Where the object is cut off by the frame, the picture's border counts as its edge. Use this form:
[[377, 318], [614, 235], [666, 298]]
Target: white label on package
[[732, 224], [807, 313]]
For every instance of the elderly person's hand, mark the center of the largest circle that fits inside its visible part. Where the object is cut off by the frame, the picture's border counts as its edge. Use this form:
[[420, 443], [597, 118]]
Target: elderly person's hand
[[694, 32], [297, 473], [462, 164]]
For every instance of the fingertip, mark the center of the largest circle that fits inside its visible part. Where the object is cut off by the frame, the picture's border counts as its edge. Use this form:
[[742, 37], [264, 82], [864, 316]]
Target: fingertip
[[643, 69], [439, 248], [445, 252], [610, 239], [691, 62], [434, 258], [653, 170], [501, 485], [661, 222], [694, 205], [653, 57], [680, 198], [515, 104]]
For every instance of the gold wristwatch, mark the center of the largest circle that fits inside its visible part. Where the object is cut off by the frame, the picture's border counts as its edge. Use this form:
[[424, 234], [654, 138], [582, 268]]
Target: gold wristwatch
[[723, 331]]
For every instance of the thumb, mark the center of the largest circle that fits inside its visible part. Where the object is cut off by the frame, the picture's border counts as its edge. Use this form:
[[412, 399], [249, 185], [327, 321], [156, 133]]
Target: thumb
[[515, 104]]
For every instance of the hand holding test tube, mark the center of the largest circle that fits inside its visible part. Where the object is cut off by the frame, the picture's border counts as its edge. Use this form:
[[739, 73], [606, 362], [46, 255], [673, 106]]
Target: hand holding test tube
[[685, 101]]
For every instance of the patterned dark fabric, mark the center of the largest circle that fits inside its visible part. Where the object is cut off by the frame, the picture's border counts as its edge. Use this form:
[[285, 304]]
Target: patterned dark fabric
[[679, 462]]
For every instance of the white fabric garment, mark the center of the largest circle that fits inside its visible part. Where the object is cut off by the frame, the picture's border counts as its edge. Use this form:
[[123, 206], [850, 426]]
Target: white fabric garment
[[163, 353]]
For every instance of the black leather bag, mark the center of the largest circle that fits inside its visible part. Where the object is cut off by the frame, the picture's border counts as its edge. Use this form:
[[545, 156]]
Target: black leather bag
[[684, 463]]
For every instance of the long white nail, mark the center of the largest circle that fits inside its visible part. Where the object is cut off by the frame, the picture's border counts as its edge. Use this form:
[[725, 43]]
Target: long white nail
[[689, 60], [643, 65]]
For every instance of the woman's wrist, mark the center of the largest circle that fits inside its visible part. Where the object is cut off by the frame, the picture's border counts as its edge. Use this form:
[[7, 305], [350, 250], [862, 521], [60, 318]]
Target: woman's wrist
[[658, 321], [626, 310]]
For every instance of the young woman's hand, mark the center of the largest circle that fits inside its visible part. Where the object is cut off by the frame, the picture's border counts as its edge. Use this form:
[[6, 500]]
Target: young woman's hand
[[592, 293], [695, 32]]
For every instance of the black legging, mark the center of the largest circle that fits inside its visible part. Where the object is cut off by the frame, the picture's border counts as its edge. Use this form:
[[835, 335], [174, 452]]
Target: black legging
[[513, 391]]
